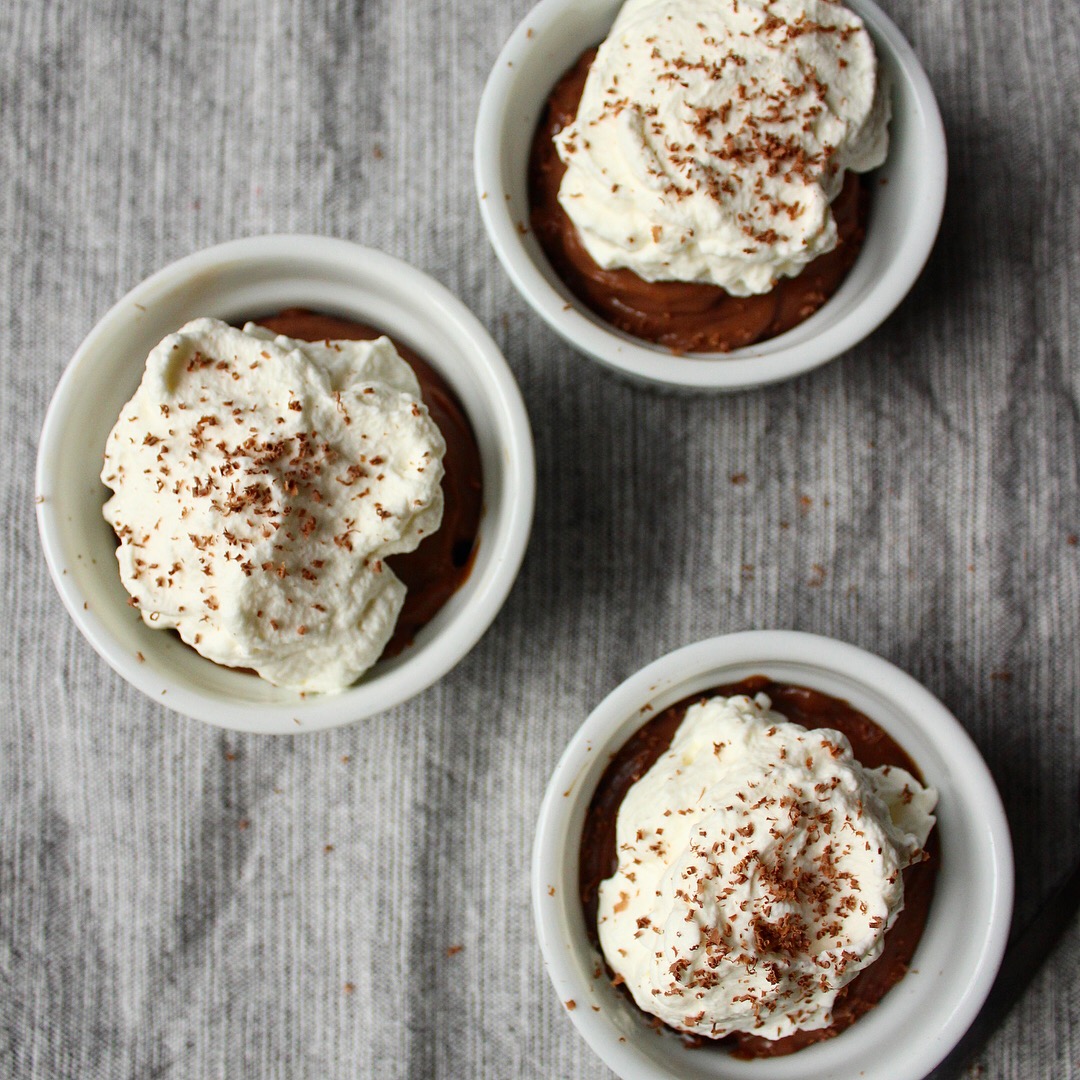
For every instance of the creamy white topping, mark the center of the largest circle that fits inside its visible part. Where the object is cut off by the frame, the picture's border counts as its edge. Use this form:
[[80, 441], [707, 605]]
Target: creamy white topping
[[759, 871], [712, 136], [259, 483]]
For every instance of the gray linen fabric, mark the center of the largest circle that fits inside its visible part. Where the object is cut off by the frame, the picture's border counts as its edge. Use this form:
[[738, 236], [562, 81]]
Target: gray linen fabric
[[179, 902]]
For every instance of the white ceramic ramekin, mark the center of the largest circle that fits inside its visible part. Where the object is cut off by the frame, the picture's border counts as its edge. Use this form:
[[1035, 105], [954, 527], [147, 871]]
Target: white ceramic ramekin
[[233, 281], [922, 1017], [904, 217]]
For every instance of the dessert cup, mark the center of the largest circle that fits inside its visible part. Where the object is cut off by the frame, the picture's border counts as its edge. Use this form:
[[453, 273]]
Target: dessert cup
[[918, 1022], [905, 211], [234, 281]]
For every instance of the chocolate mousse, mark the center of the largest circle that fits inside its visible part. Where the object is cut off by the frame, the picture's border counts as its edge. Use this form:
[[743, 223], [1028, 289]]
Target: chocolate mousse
[[872, 747], [679, 315], [439, 566], [294, 499]]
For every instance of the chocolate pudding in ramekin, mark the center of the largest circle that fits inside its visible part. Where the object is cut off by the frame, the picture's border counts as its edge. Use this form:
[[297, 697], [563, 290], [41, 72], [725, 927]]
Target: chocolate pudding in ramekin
[[219, 289], [708, 863], [904, 198]]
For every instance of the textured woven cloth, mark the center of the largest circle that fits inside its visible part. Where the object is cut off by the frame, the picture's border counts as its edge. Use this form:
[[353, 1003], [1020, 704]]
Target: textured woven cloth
[[179, 902]]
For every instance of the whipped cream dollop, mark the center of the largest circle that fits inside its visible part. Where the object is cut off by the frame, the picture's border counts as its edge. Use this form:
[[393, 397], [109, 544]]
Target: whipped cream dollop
[[712, 136], [759, 871], [259, 484]]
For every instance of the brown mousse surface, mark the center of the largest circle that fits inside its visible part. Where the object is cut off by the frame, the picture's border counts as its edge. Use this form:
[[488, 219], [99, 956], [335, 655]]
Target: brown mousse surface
[[439, 566], [872, 747], [682, 316]]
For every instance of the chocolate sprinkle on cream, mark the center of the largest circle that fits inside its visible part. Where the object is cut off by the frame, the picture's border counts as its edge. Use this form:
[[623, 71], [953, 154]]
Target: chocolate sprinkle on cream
[[257, 529], [759, 869], [713, 135]]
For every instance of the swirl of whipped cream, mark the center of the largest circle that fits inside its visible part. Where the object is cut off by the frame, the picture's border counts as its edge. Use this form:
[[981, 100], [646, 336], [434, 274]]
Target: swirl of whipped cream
[[759, 871], [259, 483], [712, 136]]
